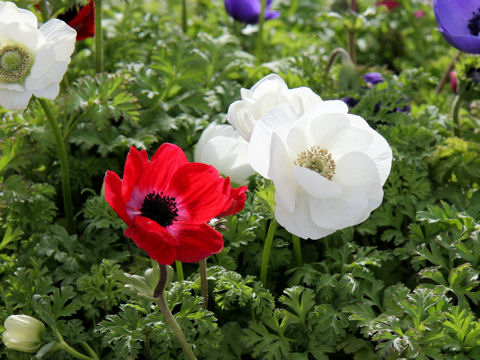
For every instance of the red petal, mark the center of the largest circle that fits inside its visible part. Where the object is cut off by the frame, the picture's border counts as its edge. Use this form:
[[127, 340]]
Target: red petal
[[158, 173], [235, 203], [197, 242], [154, 239], [200, 191], [84, 22], [134, 167], [113, 195]]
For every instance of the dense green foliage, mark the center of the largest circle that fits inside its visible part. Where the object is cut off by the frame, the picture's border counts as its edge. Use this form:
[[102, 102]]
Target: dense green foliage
[[403, 284]]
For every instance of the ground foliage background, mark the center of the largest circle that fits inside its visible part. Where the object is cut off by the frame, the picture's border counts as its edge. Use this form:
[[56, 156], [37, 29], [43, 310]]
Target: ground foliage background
[[403, 284]]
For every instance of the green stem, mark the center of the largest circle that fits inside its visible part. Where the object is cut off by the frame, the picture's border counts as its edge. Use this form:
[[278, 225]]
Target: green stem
[[44, 10], [261, 22], [351, 45], [293, 8], [184, 16], [89, 350], [146, 346], [456, 106], [64, 167], [204, 282], [297, 250], [266, 251], [336, 53], [179, 267], [64, 346], [98, 37], [162, 304], [72, 125]]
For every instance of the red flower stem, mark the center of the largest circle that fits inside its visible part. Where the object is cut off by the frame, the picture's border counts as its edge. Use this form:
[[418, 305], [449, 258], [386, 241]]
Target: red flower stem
[[179, 268], [353, 5], [297, 250], [334, 56], [261, 22], [64, 167], [184, 16], [158, 294], [98, 37], [443, 81], [267, 247], [204, 282]]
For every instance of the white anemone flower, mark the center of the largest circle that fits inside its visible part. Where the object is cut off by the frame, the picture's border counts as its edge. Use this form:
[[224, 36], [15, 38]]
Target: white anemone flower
[[328, 167], [32, 61], [264, 96], [222, 147], [23, 333]]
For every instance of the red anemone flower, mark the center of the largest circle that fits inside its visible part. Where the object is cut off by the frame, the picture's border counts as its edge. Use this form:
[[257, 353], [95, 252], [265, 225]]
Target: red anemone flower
[[167, 201], [390, 4], [82, 20]]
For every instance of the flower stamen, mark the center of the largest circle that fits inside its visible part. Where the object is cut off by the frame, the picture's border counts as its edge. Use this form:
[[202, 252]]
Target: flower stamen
[[160, 208], [474, 23], [318, 160], [15, 63]]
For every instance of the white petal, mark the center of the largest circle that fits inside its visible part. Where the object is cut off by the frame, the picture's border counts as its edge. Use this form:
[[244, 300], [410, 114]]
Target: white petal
[[9, 12], [50, 92], [299, 221], [222, 147], [44, 73], [348, 140], [61, 36], [341, 212], [315, 184], [357, 171], [11, 86], [279, 172], [22, 33], [269, 83], [379, 150], [280, 119], [319, 128], [14, 100], [306, 98], [296, 140]]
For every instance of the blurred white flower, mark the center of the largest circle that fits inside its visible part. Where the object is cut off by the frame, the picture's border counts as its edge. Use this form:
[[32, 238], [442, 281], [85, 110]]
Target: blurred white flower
[[32, 60], [222, 147], [23, 333], [328, 167], [264, 96]]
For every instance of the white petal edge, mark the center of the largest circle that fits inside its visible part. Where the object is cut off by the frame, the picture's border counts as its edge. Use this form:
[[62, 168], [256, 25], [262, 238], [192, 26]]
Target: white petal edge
[[315, 184]]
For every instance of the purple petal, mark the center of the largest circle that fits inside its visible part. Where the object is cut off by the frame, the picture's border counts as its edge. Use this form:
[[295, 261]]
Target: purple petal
[[373, 78], [248, 11], [453, 15], [466, 43]]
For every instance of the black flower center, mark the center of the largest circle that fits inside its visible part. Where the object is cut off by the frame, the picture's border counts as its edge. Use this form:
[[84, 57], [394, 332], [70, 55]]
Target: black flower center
[[160, 208], [474, 23]]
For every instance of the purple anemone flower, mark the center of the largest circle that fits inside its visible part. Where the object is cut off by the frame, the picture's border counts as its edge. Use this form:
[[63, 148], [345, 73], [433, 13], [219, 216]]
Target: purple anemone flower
[[459, 22], [248, 11], [373, 78]]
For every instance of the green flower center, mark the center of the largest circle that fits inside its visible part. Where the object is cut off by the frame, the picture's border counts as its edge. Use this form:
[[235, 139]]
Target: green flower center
[[318, 160], [15, 63]]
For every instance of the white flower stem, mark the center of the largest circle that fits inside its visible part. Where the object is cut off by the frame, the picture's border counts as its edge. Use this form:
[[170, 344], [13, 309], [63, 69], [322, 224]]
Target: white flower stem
[[297, 250], [172, 323], [261, 22], [64, 166], [266, 251], [204, 282], [98, 37]]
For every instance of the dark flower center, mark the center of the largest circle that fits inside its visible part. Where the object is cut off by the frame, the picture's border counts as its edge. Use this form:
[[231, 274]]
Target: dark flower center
[[474, 23], [474, 75], [160, 208]]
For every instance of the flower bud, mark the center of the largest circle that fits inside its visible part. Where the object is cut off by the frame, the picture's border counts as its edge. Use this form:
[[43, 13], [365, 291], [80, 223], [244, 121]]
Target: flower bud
[[23, 333]]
